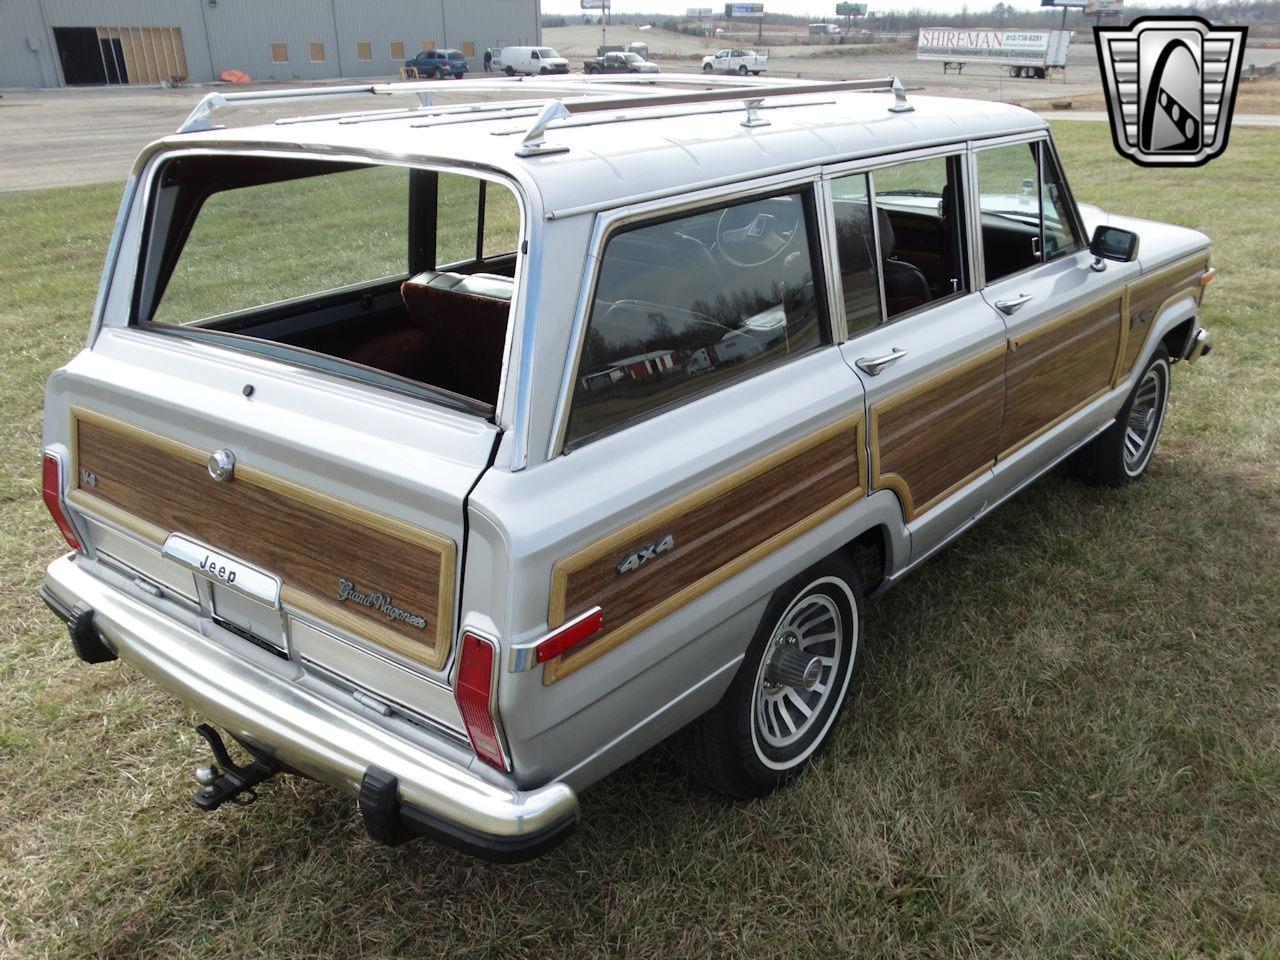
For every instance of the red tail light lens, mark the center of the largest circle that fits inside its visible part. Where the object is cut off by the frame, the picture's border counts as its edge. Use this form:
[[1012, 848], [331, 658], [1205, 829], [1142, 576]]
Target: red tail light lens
[[51, 489], [474, 694]]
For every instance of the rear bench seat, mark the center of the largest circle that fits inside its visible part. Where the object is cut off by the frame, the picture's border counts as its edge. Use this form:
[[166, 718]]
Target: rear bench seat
[[458, 327]]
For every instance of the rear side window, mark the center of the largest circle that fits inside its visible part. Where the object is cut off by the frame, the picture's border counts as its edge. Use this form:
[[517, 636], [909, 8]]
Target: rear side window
[[684, 306]]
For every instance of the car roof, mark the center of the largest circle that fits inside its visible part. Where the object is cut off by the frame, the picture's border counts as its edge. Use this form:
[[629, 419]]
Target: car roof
[[613, 158]]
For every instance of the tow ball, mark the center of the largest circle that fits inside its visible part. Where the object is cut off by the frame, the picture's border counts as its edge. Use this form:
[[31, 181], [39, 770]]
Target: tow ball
[[233, 782]]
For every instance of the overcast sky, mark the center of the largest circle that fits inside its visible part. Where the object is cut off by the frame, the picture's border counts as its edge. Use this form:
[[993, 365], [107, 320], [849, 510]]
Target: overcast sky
[[805, 7]]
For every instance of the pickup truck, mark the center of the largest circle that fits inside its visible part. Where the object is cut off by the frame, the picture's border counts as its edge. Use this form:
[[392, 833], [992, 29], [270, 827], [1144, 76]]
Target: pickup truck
[[545, 465], [619, 63], [735, 61]]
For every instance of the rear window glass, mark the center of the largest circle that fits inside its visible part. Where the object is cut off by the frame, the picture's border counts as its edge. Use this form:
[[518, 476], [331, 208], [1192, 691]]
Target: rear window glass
[[400, 276], [687, 305], [276, 241]]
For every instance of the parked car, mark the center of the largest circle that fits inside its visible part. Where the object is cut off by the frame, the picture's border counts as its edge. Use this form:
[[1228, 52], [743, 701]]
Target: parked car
[[438, 64], [530, 60], [619, 63], [555, 463], [736, 61]]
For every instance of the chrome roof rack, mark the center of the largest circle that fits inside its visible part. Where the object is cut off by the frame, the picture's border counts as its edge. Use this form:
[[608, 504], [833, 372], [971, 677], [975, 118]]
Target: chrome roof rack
[[752, 94], [587, 96]]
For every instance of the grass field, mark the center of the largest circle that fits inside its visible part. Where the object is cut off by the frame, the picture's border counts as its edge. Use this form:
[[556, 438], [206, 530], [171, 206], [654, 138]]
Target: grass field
[[1065, 738]]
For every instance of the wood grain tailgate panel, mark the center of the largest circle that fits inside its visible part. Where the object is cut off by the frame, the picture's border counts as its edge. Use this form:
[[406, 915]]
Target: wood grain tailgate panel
[[155, 486], [718, 530]]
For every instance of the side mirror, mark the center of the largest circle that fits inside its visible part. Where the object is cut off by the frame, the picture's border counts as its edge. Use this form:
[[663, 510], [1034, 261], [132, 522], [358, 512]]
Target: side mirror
[[1114, 243]]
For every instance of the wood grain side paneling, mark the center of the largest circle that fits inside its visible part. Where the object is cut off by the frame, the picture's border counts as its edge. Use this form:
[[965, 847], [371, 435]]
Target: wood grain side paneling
[[154, 486], [935, 436], [1147, 297], [718, 531], [1055, 368]]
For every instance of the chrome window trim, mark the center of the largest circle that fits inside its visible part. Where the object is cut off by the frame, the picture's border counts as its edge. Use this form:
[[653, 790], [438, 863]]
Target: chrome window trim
[[837, 322], [609, 223], [112, 258], [835, 162], [836, 171], [1044, 137], [960, 150], [148, 166]]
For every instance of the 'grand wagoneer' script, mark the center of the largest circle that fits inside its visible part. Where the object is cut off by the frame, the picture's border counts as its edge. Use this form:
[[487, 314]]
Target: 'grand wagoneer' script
[[380, 602]]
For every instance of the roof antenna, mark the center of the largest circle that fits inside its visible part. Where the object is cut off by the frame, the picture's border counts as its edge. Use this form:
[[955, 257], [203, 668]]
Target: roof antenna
[[900, 104]]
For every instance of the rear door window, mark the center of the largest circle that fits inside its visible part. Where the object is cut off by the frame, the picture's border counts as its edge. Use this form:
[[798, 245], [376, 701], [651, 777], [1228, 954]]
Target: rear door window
[[686, 305]]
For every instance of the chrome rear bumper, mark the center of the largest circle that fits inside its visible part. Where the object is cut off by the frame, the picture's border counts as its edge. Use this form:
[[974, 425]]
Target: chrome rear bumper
[[311, 735]]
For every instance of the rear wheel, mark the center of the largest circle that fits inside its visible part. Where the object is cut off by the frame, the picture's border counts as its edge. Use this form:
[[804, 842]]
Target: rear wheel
[[1015, 71], [457, 76], [510, 71], [1121, 454], [742, 71], [755, 73], [780, 708]]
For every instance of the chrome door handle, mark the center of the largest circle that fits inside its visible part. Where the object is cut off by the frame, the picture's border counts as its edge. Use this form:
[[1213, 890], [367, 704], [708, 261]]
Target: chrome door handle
[[1010, 307], [873, 365]]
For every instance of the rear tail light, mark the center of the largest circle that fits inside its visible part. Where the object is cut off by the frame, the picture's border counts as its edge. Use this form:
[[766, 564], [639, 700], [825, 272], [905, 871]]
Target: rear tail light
[[474, 693], [1208, 277], [51, 490]]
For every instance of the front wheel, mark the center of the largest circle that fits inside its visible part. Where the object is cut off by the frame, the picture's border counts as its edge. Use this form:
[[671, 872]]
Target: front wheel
[[457, 76], [707, 68], [1121, 454], [742, 71], [780, 708]]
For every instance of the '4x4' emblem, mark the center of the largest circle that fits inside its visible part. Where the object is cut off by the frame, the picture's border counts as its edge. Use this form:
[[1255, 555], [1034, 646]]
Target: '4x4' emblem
[[645, 554]]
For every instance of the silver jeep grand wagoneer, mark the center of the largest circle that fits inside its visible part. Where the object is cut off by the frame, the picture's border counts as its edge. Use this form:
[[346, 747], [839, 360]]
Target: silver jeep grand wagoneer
[[455, 454]]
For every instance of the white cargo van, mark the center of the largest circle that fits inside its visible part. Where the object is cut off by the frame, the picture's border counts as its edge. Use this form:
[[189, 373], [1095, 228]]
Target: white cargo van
[[513, 60]]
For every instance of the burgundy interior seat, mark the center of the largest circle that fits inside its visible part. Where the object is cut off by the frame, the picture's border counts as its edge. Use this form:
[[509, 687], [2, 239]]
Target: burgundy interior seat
[[464, 320]]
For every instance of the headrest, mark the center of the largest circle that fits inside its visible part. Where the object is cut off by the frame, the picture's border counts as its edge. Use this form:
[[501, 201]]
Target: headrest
[[886, 234], [489, 285]]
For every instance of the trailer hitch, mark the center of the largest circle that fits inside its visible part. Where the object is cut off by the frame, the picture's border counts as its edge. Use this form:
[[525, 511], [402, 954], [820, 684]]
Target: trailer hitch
[[233, 782]]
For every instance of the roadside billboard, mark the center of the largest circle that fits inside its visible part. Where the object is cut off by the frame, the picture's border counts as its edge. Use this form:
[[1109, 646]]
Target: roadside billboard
[[851, 9], [739, 11], [1000, 46]]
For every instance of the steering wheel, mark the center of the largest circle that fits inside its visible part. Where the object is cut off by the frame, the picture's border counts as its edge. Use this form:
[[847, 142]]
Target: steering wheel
[[754, 234]]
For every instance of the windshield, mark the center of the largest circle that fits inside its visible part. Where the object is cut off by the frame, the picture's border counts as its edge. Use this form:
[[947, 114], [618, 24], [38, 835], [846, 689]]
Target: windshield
[[632, 58], [452, 54], [545, 52]]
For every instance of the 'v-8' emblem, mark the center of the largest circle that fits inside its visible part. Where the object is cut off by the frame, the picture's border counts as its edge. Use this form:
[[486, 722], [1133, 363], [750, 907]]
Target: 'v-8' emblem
[[645, 554]]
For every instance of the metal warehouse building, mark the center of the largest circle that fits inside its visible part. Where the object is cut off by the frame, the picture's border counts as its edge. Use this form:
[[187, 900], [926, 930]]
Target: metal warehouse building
[[51, 43]]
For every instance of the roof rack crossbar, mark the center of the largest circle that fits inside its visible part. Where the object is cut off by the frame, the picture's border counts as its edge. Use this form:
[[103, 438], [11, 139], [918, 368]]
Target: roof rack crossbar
[[753, 95]]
